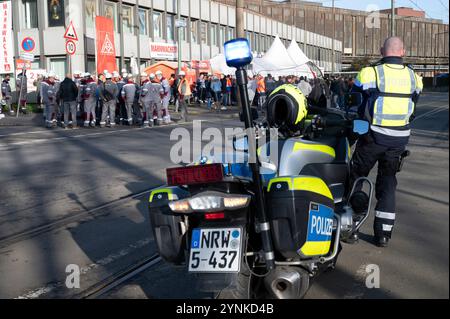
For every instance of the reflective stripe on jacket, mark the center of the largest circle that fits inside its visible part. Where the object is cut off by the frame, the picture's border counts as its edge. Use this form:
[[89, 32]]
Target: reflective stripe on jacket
[[391, 88]]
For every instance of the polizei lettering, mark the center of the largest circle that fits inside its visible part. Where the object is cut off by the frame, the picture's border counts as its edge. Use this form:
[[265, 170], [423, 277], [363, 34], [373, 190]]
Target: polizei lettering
[[321, 226]]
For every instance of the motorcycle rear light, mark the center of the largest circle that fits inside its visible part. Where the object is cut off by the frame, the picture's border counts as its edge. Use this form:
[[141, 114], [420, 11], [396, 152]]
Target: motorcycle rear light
[[180, 206], [210, 203], [199, 174], [236, 202], [213, 216]]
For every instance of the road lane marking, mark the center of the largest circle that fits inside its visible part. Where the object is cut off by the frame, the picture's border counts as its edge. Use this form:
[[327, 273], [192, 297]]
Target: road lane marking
[[432, 112], [61, 138], [36, 293]]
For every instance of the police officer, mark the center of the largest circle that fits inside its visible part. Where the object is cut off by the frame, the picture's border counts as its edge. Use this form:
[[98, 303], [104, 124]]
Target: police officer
[[391, 90], [165, 97], [108, 94], [48, 93], [7, 93], [128, 94], [89, 99]]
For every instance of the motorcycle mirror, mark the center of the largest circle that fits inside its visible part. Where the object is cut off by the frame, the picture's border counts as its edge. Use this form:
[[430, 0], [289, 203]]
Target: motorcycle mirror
[[360, 127], [240, 144], [353, 99]]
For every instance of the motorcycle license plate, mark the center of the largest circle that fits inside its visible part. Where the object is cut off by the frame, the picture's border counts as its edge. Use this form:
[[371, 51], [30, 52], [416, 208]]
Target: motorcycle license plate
[[215, 250]]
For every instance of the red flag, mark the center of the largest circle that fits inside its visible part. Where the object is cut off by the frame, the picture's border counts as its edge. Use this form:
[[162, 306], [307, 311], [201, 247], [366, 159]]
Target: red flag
[[106, 51]]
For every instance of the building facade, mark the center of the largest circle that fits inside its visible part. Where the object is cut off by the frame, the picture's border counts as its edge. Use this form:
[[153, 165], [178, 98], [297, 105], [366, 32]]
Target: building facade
[[362, 33], [140, 23]]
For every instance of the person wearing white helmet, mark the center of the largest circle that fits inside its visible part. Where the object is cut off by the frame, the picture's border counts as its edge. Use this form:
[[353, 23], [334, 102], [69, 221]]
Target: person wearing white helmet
[[48, 94], [152, 101], [165, 97], [108, 92], [184, 93], [128, 93], [89, 99]]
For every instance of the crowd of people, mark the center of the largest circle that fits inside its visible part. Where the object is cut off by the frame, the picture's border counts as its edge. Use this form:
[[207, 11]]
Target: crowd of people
[[112, 98], [107, 99]]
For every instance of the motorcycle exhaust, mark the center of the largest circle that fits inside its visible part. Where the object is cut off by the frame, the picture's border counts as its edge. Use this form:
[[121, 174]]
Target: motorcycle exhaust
[[287, 282]]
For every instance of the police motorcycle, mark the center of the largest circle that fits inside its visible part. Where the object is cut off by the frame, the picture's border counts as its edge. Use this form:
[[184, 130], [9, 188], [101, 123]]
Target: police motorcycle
[[260, 229]]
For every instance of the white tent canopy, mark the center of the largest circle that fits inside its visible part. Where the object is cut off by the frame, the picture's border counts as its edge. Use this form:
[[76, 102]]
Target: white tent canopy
[[277, 61], [219, 64], [297, 54]]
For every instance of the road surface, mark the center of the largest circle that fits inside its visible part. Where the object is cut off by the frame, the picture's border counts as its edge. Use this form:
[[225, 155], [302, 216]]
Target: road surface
[[79, 197]]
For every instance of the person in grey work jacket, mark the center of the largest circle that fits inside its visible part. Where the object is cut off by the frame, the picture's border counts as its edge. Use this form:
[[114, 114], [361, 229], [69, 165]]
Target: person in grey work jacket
[[7, 93], [108, 91], [48, 93], [128, 93], [90, 100], [152, 91]]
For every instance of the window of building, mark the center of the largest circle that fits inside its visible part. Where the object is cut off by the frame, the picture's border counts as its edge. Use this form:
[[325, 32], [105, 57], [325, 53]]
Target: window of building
[[142, 13], [170, 23], [90, 10], [58, 65], [91, 66], [157, 25], [127, 19], [214, 34], [230, 33], [55, 9], [194, 31], [30, 16], [183, 31], [111, 12], [204, 32], [221, 35]]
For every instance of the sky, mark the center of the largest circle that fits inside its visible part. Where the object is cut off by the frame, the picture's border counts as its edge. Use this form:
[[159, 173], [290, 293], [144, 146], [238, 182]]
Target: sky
[[437, 9]]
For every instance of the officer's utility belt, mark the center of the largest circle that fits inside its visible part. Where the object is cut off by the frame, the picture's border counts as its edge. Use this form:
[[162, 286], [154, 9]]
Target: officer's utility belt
[[398, 95]]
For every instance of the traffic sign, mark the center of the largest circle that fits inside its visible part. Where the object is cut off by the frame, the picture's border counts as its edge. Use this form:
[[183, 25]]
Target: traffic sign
[[28, 44], [27, 57], [71, 47], [71, 34]]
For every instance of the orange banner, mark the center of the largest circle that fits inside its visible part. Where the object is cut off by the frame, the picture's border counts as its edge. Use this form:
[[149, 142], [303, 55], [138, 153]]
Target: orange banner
[[106, 51]]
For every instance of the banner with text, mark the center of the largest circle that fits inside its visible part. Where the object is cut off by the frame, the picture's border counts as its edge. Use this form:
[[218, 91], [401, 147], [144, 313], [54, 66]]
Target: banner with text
[[163, 51], [106, 51], [7, 49]]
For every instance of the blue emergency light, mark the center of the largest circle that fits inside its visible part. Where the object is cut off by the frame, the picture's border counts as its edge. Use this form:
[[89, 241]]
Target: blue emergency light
[[238, 53]]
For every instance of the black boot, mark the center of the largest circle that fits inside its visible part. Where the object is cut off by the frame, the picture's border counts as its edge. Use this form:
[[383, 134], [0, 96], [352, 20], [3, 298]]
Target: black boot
[[381, 241]]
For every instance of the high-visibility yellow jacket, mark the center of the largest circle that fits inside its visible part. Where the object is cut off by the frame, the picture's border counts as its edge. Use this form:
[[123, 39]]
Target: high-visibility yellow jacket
[[392, 89]]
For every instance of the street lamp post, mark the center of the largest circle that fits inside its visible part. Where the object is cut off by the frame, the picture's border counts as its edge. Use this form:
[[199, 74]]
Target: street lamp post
[[333, 65], [179, 35], [392, 18]]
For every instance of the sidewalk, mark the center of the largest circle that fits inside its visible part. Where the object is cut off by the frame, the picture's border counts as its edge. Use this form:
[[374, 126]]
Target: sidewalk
[[194, 111]]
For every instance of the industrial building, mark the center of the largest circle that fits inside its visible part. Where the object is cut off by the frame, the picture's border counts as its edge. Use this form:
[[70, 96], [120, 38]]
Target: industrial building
[[142, 27], [361, 32]]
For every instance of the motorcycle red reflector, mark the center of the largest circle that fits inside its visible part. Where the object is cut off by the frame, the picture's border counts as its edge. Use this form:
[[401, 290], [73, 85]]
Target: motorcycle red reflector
[[212, 216], [190, 175]]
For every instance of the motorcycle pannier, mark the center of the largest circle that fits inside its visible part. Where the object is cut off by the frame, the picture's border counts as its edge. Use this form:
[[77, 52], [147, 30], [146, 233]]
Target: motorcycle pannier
[[167, 228], [301, 213]]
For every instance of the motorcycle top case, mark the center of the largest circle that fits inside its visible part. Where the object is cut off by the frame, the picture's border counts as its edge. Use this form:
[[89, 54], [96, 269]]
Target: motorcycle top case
[[167, 226], [301, 213]]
